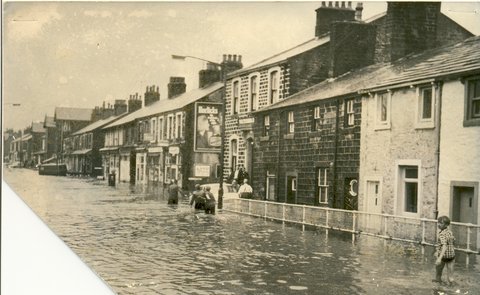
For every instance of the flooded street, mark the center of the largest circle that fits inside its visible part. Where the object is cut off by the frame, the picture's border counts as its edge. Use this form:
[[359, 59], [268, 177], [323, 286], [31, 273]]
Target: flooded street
[[140, 245]]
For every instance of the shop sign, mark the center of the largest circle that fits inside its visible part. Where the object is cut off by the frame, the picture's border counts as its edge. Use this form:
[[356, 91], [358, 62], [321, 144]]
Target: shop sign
[[202, 170]]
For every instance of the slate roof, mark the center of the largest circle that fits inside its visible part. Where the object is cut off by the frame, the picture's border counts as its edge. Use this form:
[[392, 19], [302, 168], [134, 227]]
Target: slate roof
[[450, 61], [167, 105], [73, 114], [283, 56], [37, 127], [99, 124]]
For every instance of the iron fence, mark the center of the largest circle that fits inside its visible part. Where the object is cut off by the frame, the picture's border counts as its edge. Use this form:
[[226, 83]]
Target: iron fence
[[406, 229]]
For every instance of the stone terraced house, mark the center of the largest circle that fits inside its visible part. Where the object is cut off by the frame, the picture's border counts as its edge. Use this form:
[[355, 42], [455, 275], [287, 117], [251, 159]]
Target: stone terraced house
[[343, 42]]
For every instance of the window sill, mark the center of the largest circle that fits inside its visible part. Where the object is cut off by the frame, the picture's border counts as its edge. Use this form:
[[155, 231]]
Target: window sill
[[382, 127], [425, 125], [471, 122], [289, 136]]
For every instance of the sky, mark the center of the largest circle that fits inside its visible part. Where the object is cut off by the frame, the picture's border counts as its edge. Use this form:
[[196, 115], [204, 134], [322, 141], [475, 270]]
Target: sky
[[80, 54]]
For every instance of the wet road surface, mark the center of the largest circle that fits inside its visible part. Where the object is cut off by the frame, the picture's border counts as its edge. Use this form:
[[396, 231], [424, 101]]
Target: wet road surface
[[140, 245]]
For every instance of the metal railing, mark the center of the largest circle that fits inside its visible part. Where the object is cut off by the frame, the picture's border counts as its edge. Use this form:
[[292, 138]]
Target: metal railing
[[391, 227]]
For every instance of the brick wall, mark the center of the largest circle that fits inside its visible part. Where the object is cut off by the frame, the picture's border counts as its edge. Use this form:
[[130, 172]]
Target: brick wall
[[308, 150]]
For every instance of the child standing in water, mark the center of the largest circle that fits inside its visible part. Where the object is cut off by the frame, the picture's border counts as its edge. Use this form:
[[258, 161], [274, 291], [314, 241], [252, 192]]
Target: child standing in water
[[445, 252]]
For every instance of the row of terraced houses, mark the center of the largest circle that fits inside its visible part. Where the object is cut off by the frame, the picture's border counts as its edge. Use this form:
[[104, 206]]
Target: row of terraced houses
[[379, 115]]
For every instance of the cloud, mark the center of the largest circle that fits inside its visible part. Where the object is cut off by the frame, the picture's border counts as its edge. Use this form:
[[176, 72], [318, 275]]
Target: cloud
[[25, 22], [140, 13]]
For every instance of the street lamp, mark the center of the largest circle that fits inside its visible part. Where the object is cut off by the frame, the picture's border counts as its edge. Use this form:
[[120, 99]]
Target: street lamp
[[222, 146]]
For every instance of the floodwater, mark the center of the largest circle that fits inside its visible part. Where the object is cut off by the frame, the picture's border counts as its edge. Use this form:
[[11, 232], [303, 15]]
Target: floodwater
[[140, 245]]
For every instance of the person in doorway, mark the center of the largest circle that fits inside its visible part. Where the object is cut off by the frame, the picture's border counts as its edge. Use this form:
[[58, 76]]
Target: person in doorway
[[198, 198], [173, 191], [210, 202], [245, 191], [445, 252]]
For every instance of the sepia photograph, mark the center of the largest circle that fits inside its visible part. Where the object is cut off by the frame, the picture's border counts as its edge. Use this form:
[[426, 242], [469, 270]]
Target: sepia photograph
[[240, 147]]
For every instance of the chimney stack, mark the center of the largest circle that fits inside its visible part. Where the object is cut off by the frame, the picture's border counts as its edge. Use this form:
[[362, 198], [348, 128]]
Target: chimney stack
[[358, 11], [120, 107], [231, 63], [176, 86], [411, 27], [210, 75], [328, 15], [134, 103], [151, 95]]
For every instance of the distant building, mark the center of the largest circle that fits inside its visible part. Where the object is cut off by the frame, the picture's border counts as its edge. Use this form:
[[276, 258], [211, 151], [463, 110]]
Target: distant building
[[82, 148], [158, 143], [67, 121], [39, 144]]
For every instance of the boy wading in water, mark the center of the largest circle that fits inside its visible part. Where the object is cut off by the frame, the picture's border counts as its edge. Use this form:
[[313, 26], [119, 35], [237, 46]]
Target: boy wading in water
[[445, 252]]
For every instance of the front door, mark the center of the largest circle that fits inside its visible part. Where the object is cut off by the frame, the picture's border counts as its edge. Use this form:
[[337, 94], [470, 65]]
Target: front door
[[374, 205], [464, 205], [291, 189]]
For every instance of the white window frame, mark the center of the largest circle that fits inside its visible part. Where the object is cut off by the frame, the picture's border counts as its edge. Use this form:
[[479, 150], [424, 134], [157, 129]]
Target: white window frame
[[160, 127], [250, 91], [291, 122], [235, 99], [276, 98], [170, 126], [153, 130], [400, 187], [266, 125], [350, 112], [420, 121], [322, 185], [470, 119], [233, 153], [381, 124], [178, 124]]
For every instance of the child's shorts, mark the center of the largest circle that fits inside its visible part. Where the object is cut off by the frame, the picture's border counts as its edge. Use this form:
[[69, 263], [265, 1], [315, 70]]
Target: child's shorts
[[448, 259]]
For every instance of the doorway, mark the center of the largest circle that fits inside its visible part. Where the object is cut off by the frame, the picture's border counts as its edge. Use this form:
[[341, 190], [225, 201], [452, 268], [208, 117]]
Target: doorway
[[291, 189], [373, 222], [249, 158], [464, 204]]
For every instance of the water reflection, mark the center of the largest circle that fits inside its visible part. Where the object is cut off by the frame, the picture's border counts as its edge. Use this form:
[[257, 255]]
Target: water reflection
[[140, 245]]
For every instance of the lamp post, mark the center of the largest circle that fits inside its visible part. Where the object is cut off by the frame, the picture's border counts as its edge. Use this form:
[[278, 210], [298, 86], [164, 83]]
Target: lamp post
[[222, 146]]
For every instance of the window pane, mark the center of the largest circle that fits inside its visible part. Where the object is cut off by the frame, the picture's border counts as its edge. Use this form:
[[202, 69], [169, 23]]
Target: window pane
[[411, 172], [411, 197], [476, 108], [384, 108], [427, 104]]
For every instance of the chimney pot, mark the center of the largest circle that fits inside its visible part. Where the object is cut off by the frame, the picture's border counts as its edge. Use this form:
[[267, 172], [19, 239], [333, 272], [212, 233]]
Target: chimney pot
[[239, 58], [349, 4], [234, 57], [343, 4], [330, 4], [336, 3], [323, 3]]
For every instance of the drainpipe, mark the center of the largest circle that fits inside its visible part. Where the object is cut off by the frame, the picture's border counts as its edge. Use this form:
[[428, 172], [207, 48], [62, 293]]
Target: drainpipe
[[438, 88], [280, 117], [337, 120]]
